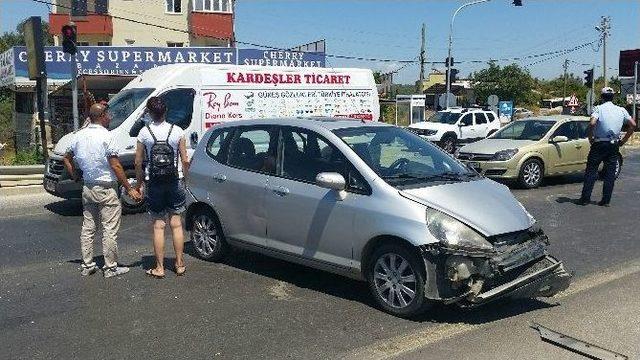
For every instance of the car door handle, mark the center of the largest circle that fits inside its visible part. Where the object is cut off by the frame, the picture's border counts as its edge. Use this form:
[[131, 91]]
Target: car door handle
[[130, 147], [219, 178], [280, 191], [578, 146]]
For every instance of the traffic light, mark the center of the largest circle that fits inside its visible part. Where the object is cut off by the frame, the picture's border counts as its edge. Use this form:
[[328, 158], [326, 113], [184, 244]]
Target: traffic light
[[446, 61], [517, 2], [454, 75], [588, 78], [69, 37]]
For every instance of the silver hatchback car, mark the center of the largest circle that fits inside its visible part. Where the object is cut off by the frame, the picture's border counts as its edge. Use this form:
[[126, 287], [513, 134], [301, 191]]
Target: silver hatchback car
[[369, 201]]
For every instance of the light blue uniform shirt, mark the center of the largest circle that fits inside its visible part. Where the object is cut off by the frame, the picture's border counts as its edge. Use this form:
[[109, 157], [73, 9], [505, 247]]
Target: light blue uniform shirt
[[610, 119]]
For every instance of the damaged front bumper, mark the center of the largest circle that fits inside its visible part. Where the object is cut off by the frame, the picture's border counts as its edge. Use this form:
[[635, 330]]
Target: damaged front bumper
[[519, 268]]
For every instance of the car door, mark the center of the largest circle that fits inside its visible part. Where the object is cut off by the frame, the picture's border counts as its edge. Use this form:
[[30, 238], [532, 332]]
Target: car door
[[564, 157], [466, 126], [304, 219], [238, 178], [583, 131], [481, 124]]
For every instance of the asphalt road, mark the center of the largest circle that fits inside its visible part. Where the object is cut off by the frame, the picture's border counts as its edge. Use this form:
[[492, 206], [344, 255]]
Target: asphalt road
[[256, 307]]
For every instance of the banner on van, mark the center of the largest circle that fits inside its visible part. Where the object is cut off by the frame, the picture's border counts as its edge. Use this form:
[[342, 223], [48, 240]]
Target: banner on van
[[128, 60], [235, 104]]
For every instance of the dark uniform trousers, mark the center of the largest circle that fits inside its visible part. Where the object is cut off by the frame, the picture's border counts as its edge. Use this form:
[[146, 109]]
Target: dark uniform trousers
[[601, 152]]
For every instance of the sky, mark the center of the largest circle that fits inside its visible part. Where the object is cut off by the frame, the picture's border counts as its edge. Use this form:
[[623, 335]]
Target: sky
[[385, 29]]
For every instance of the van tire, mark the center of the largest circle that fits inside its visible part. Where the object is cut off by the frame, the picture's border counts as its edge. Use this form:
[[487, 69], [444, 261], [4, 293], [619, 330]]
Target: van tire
[[382, 283], [207, 237], [128, 205]]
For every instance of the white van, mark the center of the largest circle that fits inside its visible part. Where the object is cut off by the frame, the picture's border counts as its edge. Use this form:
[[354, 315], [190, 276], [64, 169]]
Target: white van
[[201, 96]]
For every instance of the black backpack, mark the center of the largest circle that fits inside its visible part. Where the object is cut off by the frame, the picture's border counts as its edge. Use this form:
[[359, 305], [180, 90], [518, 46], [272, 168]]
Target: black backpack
[[162, 164]]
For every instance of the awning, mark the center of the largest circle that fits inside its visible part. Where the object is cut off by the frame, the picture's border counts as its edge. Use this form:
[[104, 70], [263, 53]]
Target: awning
[[96, 83]]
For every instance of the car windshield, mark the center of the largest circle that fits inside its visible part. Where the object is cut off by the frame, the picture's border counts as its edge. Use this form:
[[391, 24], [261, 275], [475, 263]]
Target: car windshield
[[124, 103], [402, 158], [525, 130], [445, 117]]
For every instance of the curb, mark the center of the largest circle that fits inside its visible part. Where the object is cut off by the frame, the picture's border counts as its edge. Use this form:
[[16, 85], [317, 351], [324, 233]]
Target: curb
[[32, 177], [21, 190], [22, 170]]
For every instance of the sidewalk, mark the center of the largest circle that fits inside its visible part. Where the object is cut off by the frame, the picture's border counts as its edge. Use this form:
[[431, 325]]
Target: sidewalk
[[607, 316]]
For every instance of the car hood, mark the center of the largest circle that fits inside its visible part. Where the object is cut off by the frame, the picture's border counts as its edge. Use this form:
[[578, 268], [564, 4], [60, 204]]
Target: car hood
[[63, 144], [491, 146], [485, 205], [432, 126]]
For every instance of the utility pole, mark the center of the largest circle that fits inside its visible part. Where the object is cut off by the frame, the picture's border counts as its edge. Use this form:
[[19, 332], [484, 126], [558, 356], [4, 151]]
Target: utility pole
[[604, 28], [423, 57], [635, 90], [564, 87]]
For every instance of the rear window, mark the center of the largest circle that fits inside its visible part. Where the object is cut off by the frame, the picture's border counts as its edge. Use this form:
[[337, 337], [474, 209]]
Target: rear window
[[491, 117]]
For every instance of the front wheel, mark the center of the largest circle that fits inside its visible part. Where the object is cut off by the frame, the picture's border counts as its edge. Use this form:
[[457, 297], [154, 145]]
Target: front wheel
[[448, 143], [531, 174], [396, 280], [207, 236]]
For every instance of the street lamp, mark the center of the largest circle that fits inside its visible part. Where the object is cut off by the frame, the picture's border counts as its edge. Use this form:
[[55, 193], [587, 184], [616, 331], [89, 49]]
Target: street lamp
[[446, 95]]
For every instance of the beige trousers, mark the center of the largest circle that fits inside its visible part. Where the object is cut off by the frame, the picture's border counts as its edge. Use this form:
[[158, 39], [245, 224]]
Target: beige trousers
[[100, 204]]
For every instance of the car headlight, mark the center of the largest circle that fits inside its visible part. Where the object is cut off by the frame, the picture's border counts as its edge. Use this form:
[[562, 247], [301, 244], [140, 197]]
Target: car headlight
[[454, 234], [504, 155]]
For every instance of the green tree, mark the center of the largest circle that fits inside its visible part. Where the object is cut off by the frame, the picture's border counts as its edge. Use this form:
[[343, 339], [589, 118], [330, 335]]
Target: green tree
[[10, 39], [510, 82]]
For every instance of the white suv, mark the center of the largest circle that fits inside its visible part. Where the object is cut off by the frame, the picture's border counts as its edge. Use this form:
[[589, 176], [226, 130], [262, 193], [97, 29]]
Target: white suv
[[457, 125]]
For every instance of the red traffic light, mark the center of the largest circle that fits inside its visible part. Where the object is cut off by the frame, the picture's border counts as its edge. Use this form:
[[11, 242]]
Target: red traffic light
[[69, 39]]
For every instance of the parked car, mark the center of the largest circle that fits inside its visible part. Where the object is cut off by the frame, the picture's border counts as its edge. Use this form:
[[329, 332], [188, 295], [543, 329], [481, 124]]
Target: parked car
[[521, 113], [450, 127], [530, 149], [370, 201]]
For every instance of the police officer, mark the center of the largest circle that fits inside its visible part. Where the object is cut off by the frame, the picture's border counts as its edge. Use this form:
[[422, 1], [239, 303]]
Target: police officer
[[607, 121]]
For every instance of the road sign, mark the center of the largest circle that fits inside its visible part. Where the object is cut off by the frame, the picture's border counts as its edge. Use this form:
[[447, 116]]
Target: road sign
[[443, 98], [573, 103], [492, 100]]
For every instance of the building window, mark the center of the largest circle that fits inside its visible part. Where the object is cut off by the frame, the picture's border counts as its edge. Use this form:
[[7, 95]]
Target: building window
[[82, 43], [173, 6], [104, 43], [175, 44], [212, 5]]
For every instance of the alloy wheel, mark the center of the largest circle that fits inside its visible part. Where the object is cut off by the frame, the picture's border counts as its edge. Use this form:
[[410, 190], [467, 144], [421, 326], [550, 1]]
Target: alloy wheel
[[204, 235], [395, 280], [532, 173]]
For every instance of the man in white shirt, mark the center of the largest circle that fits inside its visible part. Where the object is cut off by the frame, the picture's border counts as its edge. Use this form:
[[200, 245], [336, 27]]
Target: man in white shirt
[[95, 155]]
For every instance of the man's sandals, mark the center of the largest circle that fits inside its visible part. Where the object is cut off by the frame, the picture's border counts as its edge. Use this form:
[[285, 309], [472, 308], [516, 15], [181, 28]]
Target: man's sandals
[[154, 275]]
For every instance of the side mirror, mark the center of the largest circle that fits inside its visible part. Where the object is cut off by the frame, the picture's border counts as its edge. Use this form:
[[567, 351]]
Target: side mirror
[[331, 180], [559, 139]]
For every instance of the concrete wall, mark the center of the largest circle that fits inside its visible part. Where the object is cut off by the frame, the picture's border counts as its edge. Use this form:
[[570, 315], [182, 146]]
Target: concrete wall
[[151, 11]]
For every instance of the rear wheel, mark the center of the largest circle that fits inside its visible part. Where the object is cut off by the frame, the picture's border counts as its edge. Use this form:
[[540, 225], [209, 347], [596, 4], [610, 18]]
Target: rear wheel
[[531, 174], [396, 279], [448, 143], [207, 236]]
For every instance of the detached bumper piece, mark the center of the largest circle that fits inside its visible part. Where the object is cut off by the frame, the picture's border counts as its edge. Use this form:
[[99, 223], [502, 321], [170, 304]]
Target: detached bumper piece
[[544, 278], [577, 346]]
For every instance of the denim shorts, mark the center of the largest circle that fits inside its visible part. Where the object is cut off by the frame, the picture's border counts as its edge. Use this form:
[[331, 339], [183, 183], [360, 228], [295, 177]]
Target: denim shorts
[[165, 198]]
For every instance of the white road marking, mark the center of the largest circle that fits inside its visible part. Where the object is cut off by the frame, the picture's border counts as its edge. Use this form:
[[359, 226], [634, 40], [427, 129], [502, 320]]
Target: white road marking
[[405, 343]]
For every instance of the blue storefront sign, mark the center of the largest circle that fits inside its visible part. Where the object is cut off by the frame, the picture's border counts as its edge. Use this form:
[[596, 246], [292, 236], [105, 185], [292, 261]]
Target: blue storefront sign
[[127, 60], [505, 108]]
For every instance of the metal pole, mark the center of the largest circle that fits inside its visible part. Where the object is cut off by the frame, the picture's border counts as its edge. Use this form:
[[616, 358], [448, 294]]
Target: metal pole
[[564, 87], [74, 91], [446, 96], [635, 89], [41, 88]]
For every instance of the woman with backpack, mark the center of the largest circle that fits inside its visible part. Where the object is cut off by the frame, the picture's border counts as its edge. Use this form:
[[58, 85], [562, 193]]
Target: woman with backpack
[[167, 164]]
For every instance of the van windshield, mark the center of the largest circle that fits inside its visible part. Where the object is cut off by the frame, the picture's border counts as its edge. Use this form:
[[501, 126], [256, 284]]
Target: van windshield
[[444, 117], [402, 158], [124, 103]]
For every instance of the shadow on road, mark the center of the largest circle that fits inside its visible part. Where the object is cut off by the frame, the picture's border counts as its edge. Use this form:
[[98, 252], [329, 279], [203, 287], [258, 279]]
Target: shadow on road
[[65, 207], [546, 182], [349, 289]]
